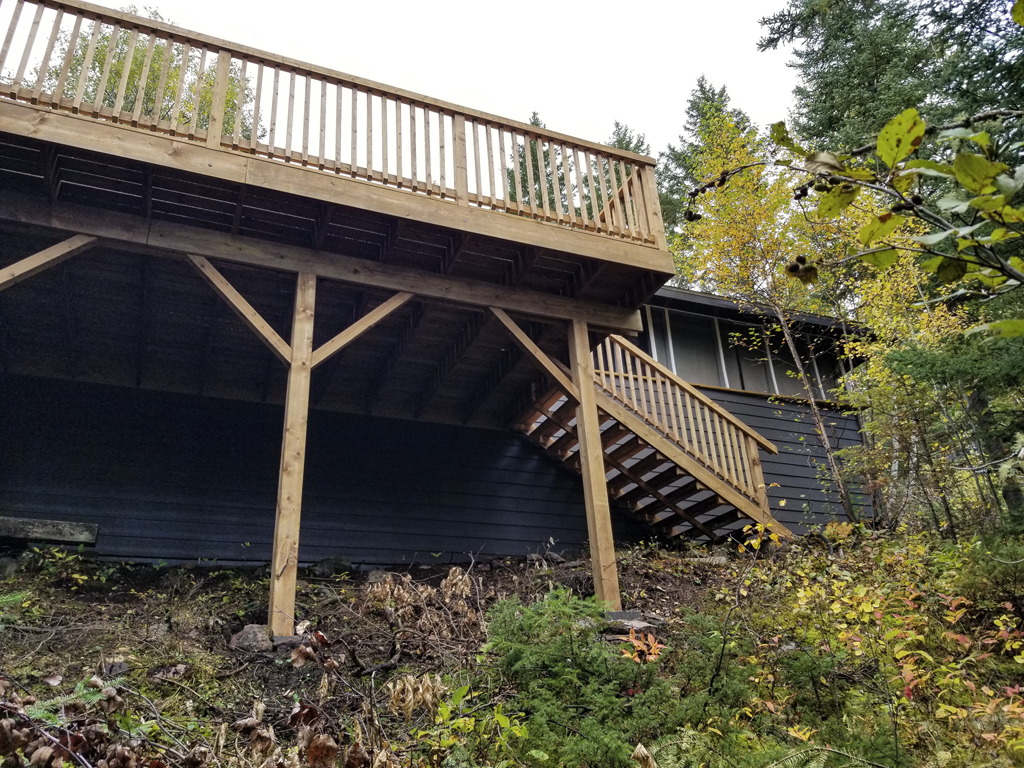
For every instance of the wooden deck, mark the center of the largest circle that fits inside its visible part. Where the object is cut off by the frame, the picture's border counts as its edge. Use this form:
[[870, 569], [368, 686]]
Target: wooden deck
[[189, 102]]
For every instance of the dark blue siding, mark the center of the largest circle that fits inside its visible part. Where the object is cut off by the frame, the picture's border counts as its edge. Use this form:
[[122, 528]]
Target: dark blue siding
[[180, 477]]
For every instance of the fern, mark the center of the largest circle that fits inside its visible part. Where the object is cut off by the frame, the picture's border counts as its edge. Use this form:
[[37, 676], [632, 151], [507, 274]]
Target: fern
[[13, 598], [83, 694], [692, 749]]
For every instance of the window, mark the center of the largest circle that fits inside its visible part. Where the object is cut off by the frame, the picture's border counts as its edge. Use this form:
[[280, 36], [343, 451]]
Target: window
[[724, 353]]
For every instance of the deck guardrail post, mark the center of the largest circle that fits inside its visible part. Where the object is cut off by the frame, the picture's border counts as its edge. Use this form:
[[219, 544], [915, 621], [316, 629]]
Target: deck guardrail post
[[461, 172], [215, 130]]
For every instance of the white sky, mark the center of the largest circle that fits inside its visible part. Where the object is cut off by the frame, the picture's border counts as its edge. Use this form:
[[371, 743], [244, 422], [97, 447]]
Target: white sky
[[580, 65]]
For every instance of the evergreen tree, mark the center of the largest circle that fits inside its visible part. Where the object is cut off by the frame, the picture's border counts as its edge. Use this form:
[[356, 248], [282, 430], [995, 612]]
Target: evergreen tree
[[678, 166], [863, 61]]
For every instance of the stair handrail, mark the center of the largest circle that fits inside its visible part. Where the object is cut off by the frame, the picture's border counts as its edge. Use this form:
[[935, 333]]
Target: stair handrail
[[760, 439]]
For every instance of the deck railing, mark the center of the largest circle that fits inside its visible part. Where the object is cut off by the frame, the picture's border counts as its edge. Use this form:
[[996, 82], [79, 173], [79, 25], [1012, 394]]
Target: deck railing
[[121, 68], [706, 431]]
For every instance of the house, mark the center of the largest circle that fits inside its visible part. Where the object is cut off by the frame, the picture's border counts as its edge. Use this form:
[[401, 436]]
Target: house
[[202, 242]]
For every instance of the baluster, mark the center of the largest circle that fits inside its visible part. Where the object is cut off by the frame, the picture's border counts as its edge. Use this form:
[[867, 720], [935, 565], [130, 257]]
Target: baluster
[[369, 135], [140, 92], [289, 118], [627, 376], [272, 133], [254, 135], [44, 65], [737, 467], [641, 370], [680, 415], [580, 189], [97, 105], [461, 155], [426, 150], [723, 441], [69, 55], [748, 479], [322, 148], [236, 134], [444, 155], [197, 97], [398, 142], [696, 428], [490, 165], [412, 146], [610, 205], [126, 68], [518, 173], [709, 423], [353, 170], [542, 182], [32, 32], [339, 94], [640, 202], [611, 385], [476, 164], [623, 197], [15, 18], [384, 137], [534, 194], [556, 182], [504, 171], [307, 97]]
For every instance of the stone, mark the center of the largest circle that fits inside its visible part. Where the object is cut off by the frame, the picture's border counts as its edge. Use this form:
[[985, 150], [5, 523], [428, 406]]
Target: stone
[[331, 566], [533, 557], [554, 557], [253, 638], [8, 567], [376, 576]]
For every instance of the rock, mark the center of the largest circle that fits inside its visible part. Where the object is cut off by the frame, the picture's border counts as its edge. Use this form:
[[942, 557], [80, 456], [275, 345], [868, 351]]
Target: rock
[[331, 566], [554, 557], [533, 557], [376, 576], [624, 626], [158, 630], [716, 560], [253, 638], [8, 567]]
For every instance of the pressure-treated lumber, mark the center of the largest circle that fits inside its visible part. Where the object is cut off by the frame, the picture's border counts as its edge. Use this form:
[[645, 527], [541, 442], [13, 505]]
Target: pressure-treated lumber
[[47, 530], [676, 454], [243, 308], [359, 327], [46, 258], [163, 238], [536, 354], [591, 450], [285, 558]]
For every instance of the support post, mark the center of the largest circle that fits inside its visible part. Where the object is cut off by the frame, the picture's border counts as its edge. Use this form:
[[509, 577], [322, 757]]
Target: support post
[[285, 559], [595, 488]]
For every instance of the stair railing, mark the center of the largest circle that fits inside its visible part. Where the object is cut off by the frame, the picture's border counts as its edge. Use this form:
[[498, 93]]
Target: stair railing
[[704, 430]]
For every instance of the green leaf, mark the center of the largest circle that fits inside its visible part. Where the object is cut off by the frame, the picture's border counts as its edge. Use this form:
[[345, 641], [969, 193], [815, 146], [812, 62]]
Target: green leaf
[[900, 137], [935, 237], [951, 270], [833, 202], [953, 204], [881, 259], [989, 202], [976, 172], [459, 695], [990, 278], [536, 754], [823, 162], [880, 228], [980, 138], [932, 264], [929, 168], [1010, 184], [1003, 329], [501, 720], [780, 135], [1018, 12]]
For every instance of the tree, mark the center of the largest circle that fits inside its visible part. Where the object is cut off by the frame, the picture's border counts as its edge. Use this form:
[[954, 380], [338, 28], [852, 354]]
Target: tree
[[862, 61], [739, 240], [677, 171]]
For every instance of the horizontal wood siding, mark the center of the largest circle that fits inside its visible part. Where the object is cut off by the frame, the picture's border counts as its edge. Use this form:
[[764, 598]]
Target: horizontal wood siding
[[179, 477], [799, 469]]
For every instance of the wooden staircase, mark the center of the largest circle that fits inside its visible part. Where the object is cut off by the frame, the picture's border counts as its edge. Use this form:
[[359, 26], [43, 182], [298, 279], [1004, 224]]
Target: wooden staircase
[[679, 461]]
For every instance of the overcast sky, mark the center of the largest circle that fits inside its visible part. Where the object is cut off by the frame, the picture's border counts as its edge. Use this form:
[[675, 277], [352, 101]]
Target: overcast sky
[[581, 65]]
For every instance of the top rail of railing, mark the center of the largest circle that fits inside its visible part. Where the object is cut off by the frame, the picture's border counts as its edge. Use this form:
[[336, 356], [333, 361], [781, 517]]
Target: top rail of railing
[[122, 68]]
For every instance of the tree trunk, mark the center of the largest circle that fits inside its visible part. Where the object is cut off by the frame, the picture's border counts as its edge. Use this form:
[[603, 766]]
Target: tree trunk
[[819, 421], [995, 448]]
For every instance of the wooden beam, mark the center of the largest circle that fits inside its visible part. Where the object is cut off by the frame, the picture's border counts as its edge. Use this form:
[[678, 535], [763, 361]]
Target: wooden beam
[[595, 490], [163, 237], [359, 327], [452, 356], [535, 353], [379, 379], [46, 258], [243, 308], [285, 559], [48, 530]]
